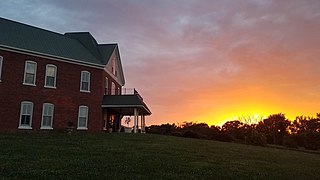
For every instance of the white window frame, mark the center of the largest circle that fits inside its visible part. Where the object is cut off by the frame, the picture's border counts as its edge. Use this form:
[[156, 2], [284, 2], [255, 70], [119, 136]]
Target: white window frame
[[86, 117], [25, 72], [55, 76], [107, 87], [81, 81], [113, 88], [1, 62], [23, 126], [43, 114]]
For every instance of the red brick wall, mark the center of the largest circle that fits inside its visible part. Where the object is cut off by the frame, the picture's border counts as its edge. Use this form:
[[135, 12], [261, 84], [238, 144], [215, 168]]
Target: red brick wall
[[66, 97]]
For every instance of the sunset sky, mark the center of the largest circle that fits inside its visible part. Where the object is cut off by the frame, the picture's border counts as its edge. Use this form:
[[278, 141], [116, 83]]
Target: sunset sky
[[201, 60]]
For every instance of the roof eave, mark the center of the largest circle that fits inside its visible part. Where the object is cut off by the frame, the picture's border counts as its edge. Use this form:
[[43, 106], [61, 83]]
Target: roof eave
[[52, 57]]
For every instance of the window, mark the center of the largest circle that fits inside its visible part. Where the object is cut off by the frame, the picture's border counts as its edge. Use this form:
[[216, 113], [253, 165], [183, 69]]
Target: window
[[51, 73], [119, 91], [1, 59], [26, 115], [107, 84], [113, 89], [85, 81], [30, 73], [83, 117], [47, 116]]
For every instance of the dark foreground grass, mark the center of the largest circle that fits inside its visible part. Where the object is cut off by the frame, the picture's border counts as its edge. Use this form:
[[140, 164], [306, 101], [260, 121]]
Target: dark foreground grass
[[136, 156]]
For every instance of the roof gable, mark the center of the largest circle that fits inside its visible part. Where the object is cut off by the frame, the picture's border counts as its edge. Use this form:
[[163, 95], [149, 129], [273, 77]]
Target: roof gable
[[113, 64]]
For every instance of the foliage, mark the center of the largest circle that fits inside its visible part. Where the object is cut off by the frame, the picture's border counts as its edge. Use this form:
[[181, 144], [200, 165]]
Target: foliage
[[256, 138], [303, 132]]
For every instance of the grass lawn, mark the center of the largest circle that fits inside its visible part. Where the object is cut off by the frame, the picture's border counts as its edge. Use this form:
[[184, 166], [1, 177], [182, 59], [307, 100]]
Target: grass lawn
[[146, 156]]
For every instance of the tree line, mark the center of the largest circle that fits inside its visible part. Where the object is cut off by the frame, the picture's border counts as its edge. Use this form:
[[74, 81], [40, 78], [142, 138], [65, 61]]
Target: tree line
[[303, 132]]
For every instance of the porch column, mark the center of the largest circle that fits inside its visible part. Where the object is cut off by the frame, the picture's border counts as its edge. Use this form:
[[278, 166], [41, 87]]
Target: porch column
[[142, 116], [143, 124], [135, 120]]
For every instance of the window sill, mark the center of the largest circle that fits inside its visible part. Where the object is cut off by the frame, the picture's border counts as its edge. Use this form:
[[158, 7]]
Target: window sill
[[84, 91], [82, 128], [46, 128], [29, 84], [24, 127], [50, 87]]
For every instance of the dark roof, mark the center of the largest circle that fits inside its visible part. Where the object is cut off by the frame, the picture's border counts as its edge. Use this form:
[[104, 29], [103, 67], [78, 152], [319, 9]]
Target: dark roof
[[79, 46], [125, 102]]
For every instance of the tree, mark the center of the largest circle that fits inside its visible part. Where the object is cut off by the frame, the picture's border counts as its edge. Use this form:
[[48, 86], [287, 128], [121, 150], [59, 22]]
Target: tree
[[234, 128], [275, 127], [306, 131]]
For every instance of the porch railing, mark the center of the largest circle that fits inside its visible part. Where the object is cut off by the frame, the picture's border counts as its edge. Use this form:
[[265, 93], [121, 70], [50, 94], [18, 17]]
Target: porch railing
[[125, 91]]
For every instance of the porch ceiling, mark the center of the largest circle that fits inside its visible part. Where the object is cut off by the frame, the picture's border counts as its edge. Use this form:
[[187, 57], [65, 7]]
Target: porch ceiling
[[125, 104]]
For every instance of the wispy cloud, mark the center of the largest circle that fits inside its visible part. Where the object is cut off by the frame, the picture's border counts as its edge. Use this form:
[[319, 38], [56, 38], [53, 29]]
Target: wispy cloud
[[191, 58]]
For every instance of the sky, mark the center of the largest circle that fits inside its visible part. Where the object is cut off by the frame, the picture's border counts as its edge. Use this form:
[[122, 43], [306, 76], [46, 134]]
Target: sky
[[201, 60]]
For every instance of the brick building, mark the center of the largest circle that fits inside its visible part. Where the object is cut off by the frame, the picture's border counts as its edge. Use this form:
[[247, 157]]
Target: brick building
[[53, 82]]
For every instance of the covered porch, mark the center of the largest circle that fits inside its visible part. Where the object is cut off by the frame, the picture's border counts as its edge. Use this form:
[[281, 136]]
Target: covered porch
[[115, 107]]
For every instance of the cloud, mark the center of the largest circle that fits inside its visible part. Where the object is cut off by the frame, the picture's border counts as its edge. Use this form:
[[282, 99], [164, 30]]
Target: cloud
[[189, 57]]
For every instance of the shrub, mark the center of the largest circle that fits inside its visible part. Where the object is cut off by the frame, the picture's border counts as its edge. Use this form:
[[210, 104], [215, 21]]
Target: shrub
[[176, 133], [190, 134], [257, 138], [289, 142], [225, 137], [311, 140]]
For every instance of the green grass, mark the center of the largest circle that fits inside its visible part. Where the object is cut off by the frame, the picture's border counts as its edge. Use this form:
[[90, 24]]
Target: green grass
[[136, 156]]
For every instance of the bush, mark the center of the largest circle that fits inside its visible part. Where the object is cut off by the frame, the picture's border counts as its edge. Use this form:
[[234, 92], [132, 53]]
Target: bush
[[289, 142], [257, 138], [176, 133], [225, 137], [311, 140], [190, 134]]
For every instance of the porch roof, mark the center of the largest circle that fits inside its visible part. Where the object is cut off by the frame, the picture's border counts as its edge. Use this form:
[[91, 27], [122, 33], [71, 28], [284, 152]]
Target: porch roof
[[125, 104]]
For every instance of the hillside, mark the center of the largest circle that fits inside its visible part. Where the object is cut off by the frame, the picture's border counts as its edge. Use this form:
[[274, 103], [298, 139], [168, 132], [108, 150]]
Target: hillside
[[146, 156]]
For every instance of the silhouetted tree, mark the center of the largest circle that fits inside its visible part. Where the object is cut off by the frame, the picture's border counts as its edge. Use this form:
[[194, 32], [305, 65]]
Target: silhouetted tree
[[234, 128], [201, 129], [306, 131], [165, 129], [275, 127]]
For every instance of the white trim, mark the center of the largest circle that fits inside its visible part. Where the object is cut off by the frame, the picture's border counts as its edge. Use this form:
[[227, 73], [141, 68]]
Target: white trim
[[55, 76], [52, 57], [29, 84], [1, 62], [61, 59], [81, 81], [106, 87], [86, 127], [113, 76], [24, 127], [113, 88], [126, 106], [50, 87], [31, 111], [47, 127], [122, 106], [25, 72]]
